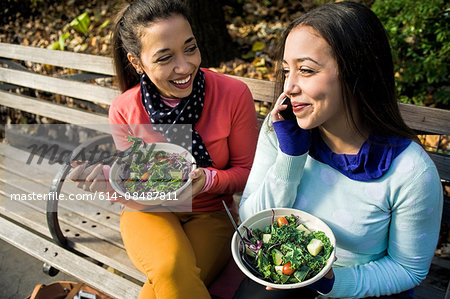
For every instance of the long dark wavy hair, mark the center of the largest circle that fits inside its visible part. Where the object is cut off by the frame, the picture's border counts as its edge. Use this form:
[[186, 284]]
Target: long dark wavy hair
[[361, 48], [129, 23]]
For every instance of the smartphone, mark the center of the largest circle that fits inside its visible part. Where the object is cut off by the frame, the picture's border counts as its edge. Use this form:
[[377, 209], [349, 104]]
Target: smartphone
[[287, 114]]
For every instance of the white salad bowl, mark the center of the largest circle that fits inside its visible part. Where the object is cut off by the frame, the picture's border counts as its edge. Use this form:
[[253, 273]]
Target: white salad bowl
[[118, 170], [264, 218]]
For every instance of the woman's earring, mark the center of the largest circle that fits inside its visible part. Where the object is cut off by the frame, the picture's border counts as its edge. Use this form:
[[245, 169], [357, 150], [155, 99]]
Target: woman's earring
[[139, 71]]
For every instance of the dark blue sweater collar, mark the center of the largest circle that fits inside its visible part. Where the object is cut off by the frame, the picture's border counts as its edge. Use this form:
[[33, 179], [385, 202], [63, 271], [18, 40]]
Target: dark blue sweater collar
[[372, 161]]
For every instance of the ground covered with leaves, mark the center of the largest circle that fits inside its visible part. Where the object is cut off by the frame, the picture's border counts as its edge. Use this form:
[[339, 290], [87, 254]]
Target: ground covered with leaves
[[254, 28]]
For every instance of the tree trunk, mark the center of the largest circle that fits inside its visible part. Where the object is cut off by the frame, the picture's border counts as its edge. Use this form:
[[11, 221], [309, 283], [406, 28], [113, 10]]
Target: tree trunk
[[208, 24]]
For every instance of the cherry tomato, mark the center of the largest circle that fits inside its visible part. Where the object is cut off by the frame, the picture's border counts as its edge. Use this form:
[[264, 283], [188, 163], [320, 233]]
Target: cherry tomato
[[287, 270], [282, 221], [145, 176]]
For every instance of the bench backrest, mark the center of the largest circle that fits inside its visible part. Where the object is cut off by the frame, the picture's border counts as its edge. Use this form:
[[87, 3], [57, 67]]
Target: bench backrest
[[15, 75]]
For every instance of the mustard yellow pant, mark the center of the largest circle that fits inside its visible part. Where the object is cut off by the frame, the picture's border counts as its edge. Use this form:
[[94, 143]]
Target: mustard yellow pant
[[180, 253]]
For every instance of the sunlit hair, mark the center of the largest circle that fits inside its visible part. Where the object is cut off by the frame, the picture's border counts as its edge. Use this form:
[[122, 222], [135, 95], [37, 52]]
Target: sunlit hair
[[361, 48], [129, 24]]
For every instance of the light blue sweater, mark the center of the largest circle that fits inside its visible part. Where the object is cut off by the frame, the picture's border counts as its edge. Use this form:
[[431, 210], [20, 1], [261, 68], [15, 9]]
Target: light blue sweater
[[386, 230]]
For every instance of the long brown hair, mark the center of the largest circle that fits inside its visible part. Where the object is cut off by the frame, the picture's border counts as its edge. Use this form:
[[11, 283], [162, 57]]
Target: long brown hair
[[129, 24], [361, 48]]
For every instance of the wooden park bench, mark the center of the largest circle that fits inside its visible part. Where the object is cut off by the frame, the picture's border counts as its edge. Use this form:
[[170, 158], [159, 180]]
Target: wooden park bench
[[85, 242]]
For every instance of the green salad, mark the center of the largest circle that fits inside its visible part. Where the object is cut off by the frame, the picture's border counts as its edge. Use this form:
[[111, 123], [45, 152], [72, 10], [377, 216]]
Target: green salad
[[287, 251], [154, 170]]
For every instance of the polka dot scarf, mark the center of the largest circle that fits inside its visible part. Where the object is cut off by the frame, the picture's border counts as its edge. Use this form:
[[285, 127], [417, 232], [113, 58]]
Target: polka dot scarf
[[170, 121]]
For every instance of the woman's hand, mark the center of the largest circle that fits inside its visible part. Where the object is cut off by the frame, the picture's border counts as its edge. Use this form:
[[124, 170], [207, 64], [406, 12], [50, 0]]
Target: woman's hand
[[198, 177], [89, 178], [92, 178], [292, 140], [275, 113], [323, 285]]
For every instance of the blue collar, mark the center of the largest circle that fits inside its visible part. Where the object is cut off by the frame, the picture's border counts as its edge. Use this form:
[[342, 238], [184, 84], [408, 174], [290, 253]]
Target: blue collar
[[372, 161]]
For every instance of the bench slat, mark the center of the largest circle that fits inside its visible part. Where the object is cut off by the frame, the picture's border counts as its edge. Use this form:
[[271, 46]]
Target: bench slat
[[442, 163], [43, 173], [75, 212], [64, 260], [84, 62], [24, 179], [79, 240], [95, 211], [79, 90], [54, 111], [262, 90], [19, 157], [33, 214], [426, 119]]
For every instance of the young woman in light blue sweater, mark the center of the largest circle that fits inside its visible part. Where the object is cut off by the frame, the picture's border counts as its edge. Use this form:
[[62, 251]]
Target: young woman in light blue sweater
[[347, 157]]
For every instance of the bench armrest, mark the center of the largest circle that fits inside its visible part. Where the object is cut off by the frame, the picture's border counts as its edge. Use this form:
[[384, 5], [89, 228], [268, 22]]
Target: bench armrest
[[58, 181]]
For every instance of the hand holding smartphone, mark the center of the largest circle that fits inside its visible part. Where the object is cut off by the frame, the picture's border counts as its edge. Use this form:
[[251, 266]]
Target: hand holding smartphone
[[287, 113]]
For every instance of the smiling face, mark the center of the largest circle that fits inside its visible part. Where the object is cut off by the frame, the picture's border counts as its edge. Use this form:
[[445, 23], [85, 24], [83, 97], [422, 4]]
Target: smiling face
[[312, 80], [170, 56]]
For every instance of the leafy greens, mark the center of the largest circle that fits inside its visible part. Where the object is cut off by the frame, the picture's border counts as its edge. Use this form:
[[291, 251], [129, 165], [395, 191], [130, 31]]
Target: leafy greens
[[154, 170], [277, 246]]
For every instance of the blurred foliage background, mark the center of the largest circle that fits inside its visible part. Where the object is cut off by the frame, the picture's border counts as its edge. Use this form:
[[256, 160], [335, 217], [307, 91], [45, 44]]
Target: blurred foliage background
[[419, 32]]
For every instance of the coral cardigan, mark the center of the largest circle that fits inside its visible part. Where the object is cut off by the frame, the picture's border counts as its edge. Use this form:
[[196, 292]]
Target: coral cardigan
[[227, 126]]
